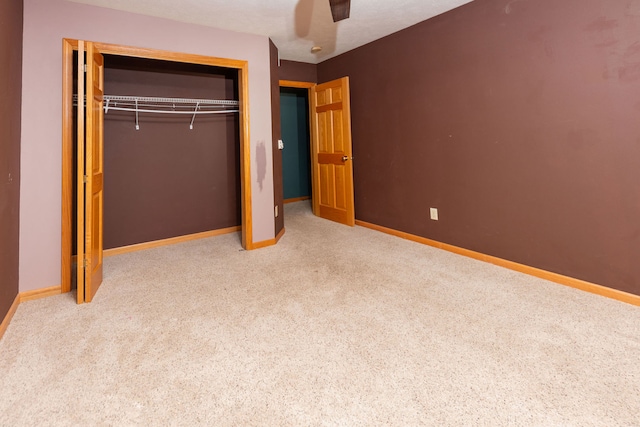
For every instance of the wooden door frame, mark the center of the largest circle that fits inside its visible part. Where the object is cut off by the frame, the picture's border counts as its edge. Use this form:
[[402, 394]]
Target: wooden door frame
[[309, 86], [68, 47]]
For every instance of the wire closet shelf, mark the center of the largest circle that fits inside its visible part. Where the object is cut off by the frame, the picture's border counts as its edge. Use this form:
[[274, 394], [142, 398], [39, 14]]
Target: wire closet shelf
[[160, 105]]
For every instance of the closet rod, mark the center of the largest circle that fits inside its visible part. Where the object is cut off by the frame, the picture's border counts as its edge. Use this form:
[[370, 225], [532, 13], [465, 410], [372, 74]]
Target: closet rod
[[144, 110], [161, 100], [163, 105]]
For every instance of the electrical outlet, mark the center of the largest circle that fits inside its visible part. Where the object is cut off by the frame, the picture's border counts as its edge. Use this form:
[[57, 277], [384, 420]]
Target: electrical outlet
[[434, 213]]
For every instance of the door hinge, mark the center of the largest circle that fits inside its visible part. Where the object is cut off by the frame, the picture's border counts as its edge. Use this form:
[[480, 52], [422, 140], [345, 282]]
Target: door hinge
[[84, 67], [85, 264], [85, 179]]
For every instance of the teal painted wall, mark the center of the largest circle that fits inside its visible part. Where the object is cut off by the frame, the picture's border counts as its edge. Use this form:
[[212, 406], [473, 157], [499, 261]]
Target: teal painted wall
[[296, 164]]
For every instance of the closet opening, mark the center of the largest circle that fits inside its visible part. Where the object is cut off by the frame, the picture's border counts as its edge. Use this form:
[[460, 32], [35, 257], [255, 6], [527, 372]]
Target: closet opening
[[171, 174], [175, 161], [296, 134], [295, 125]]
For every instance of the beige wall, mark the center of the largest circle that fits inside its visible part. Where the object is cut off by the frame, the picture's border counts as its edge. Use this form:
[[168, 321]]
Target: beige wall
[[46, 23]]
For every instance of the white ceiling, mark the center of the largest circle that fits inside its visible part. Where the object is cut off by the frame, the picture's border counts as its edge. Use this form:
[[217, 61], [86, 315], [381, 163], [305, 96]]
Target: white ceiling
[[294, 25]]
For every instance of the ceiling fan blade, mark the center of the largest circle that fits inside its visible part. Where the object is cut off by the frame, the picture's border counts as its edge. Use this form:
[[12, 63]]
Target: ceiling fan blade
[[340, 9]]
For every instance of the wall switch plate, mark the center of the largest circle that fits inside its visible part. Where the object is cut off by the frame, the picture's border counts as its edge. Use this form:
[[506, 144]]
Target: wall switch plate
[[280, 144], [434, 213]]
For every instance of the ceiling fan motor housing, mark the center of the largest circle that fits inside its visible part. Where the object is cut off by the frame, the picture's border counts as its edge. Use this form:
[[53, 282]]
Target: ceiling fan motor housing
[[340, 9]]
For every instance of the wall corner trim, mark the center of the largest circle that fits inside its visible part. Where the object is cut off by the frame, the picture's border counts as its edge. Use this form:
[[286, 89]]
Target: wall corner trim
[[7, 318], [40, 293], [532, 271], [27, 296], [264, 243]]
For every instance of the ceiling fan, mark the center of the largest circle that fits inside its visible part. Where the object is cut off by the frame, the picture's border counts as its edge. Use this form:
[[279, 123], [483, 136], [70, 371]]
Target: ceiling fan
[[340, 9]]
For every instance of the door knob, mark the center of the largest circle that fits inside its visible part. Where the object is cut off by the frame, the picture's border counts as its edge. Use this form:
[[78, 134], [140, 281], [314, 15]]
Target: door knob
[[345, 158]]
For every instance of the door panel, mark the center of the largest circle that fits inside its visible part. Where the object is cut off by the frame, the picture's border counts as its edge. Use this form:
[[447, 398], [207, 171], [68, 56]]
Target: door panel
[[326, 185], [80, 196], [90, 170], [338, 132], [341, 195], [94, 166], [336, 94], [331, 152], [324, 127]]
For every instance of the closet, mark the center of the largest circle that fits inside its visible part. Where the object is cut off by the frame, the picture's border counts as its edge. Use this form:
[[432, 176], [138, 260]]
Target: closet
[[168, 174], [172, 162], [172, 173]]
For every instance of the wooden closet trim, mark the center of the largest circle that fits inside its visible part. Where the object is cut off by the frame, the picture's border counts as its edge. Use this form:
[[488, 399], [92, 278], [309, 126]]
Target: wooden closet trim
[[68, 47], [300, 85], [170, 241]]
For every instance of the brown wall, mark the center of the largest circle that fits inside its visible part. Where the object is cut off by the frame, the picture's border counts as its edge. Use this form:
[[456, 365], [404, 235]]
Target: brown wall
[[519, 121], [11, 89], [278, 191], [166, 180], [298, 71]]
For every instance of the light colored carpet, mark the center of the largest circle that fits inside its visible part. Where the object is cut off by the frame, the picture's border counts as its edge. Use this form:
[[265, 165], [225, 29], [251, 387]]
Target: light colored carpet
[[333, 326]]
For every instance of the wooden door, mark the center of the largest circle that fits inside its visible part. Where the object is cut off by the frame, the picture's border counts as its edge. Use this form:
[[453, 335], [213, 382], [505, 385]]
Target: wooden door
[[332, 157], [90, 172]]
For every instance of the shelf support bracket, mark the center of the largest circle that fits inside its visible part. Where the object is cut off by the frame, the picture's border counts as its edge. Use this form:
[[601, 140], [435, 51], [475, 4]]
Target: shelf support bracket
[[195, 112], [137, 123]]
